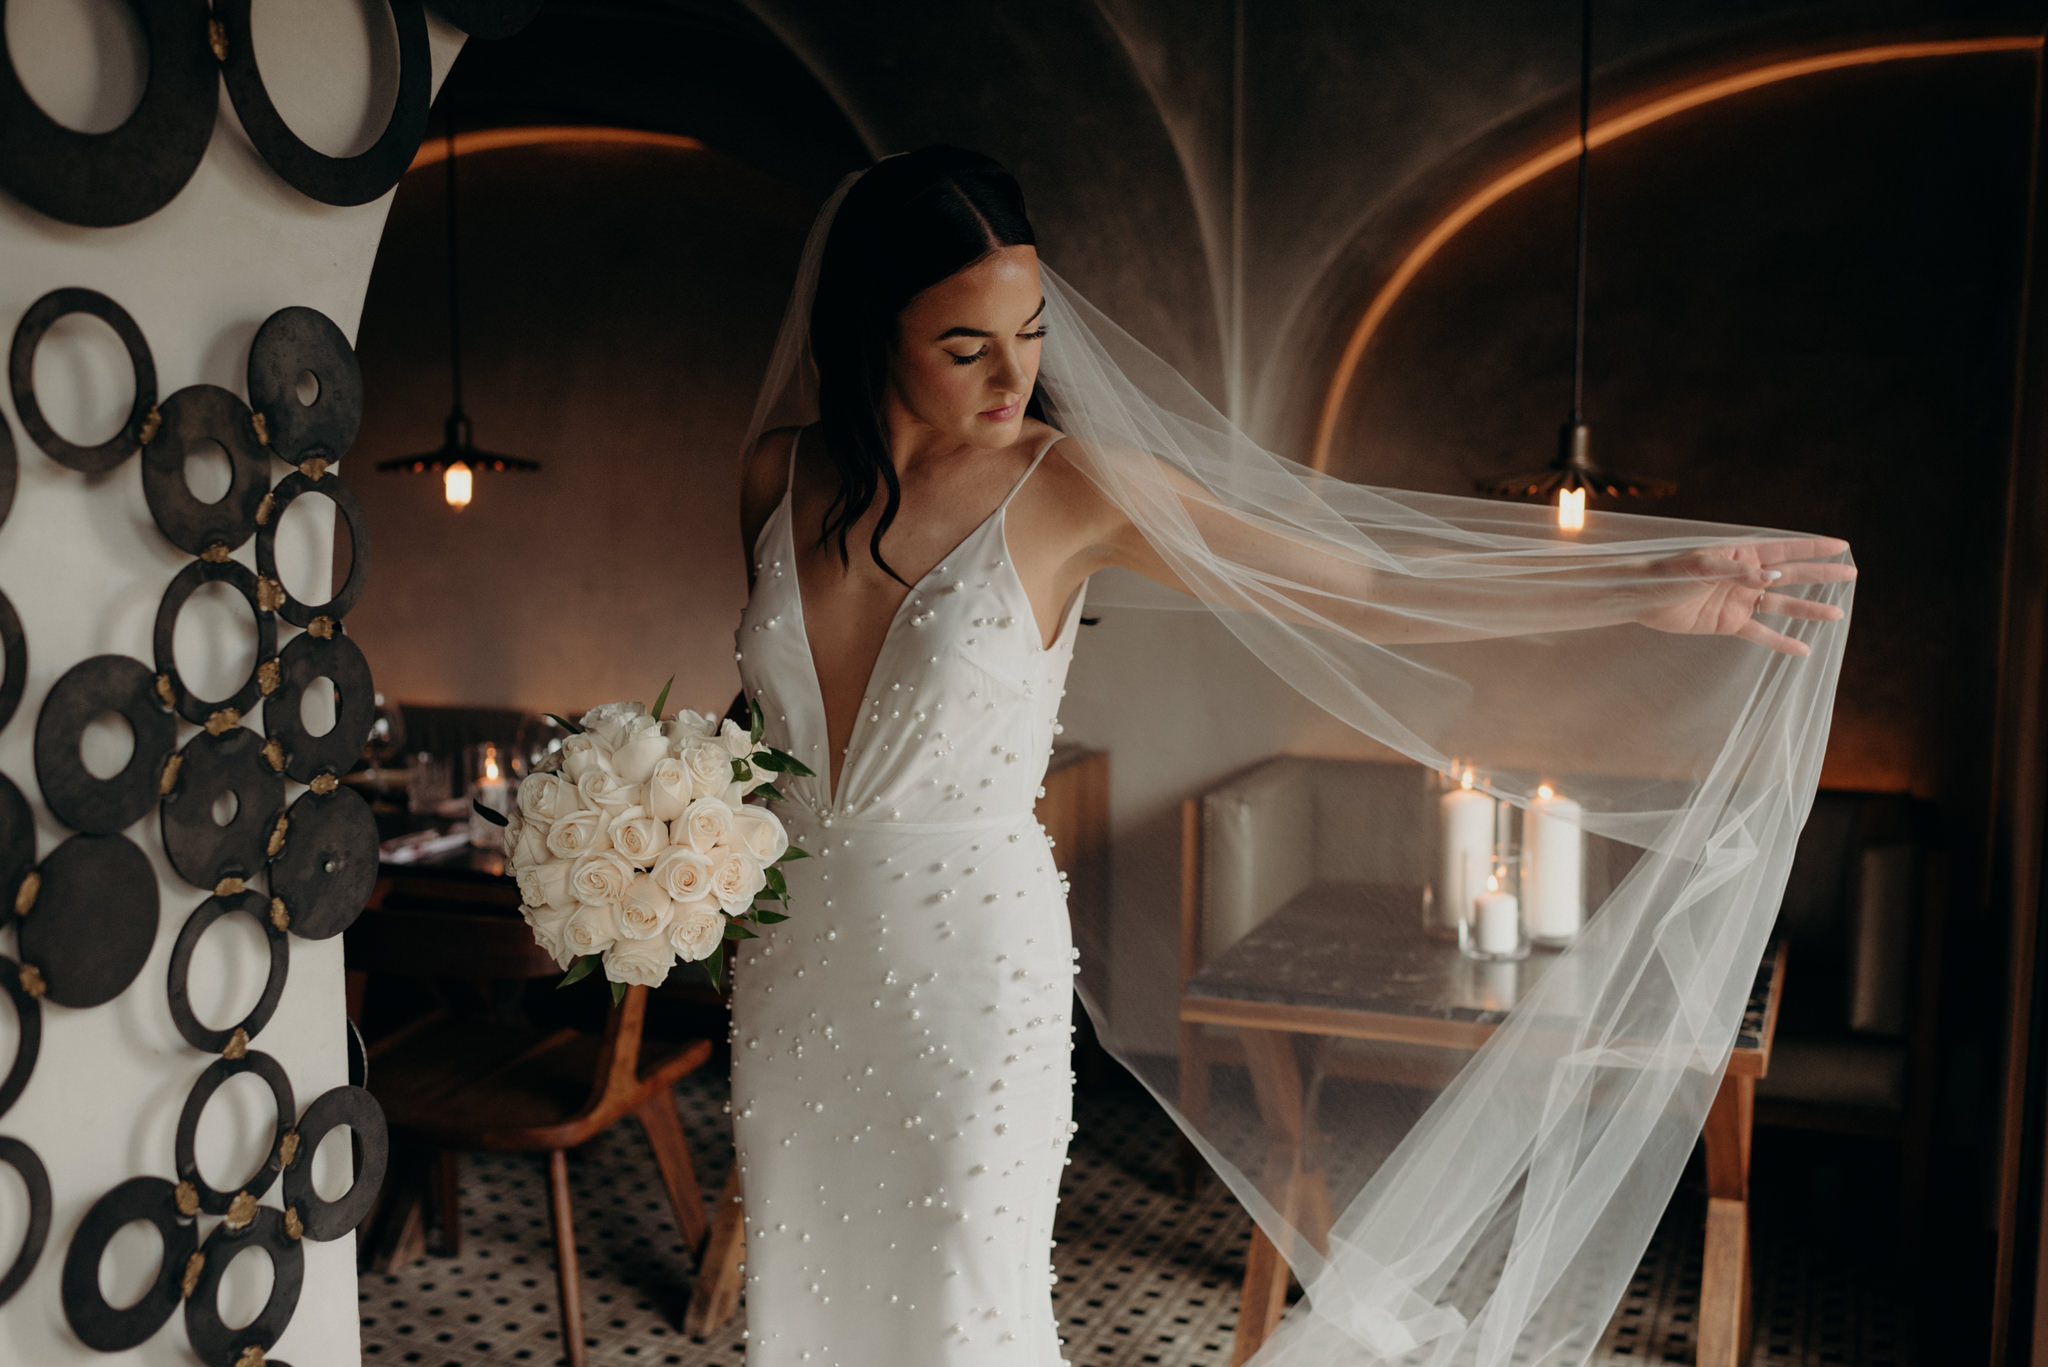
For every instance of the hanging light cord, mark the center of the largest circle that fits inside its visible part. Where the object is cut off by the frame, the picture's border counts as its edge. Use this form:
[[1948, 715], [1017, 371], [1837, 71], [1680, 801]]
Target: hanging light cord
[[454, 280], [1579, 288]]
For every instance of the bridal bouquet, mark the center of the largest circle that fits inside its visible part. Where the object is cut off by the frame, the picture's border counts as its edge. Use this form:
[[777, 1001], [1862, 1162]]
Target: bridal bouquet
[[634, 845]]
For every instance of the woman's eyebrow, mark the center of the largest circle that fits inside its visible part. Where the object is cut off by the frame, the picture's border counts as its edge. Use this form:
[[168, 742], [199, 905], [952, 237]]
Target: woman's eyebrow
[[977, 332]]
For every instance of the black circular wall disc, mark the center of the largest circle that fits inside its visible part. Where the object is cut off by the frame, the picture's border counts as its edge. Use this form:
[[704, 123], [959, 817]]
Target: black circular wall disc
[[102, 180], [329, 862], [17, 845], [14, 643], [305, 659], [211, 1201], [289, 488], [488, 18], [36, 1178], [292, 342], [28, 1015], [198, 1034], [10, 467], [211, 1339], [357, 1109], [195, 414], [188, 581], [21, 361], [98, 1325], [94, 919], [331, 180], [200, 849], [104, 683]]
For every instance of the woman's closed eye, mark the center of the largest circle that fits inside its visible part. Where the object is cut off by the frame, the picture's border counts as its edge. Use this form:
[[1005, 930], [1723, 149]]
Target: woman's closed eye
[[972, 357]]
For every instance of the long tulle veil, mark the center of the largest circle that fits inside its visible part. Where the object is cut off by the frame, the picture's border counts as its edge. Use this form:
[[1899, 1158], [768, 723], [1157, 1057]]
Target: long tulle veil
[[1491, 1208]]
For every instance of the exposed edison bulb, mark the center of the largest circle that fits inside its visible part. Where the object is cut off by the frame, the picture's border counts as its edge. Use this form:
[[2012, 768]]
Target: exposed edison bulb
[[1571, 509], [455, 484]]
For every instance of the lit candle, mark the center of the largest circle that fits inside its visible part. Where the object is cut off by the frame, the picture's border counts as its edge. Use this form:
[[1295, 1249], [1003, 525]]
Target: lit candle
[[1571, 510], [1553, 854], [1496, 920], [493, 790], [1466, 818]]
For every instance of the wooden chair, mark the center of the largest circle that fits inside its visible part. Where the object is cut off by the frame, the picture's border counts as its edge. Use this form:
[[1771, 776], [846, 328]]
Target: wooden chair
[[451, 1085]]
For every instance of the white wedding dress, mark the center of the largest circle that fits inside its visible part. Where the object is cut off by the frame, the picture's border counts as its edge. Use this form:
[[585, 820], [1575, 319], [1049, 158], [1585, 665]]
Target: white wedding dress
[[900, 1080]]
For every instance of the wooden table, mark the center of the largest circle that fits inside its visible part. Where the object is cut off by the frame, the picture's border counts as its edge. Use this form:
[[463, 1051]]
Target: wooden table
[[1351, 961]]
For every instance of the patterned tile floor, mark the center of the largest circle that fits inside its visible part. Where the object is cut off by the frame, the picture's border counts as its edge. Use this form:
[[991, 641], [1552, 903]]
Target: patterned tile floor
[[1146, 1277]]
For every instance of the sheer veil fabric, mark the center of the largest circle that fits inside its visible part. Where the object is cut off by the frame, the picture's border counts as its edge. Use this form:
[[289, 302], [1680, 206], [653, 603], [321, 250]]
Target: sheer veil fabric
[[1491, 1207]]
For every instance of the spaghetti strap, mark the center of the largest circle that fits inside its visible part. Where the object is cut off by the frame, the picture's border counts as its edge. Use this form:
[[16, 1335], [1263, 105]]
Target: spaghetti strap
[[1047, 445]]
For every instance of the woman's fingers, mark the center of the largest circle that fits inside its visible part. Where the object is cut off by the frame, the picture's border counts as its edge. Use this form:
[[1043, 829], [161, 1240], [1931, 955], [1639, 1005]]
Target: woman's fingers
[[1753, 630], [1797, 548], [1822, 572], [1786, 605]]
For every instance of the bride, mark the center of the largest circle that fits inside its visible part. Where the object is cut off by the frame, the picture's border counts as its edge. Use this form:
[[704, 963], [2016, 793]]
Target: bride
[[966, 455]]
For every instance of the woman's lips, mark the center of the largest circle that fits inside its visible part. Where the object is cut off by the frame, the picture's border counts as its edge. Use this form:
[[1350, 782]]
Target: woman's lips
[[1003, 413]]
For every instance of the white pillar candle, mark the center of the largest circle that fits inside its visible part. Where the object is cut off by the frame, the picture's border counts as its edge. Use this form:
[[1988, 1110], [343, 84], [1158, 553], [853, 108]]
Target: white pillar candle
[[1553, 866], [1496, 921], [1466, 819]]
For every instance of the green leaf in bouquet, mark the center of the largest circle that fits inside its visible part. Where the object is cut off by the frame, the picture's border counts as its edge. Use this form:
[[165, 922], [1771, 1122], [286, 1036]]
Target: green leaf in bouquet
[[618, 993], [661, 698], [768, 792], [741, 771], [765, 759], [775, 883], [579, 970], [788, 764], [571, 727], [755, 722], [490, 814], [793, 852], [714, 965], [737, 930], [769, 918]]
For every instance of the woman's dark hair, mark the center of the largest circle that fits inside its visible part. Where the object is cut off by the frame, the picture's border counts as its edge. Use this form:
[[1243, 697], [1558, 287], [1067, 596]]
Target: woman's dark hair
[[909, 222]]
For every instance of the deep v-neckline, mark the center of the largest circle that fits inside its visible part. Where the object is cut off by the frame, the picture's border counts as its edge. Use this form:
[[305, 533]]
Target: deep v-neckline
[[786, 510]]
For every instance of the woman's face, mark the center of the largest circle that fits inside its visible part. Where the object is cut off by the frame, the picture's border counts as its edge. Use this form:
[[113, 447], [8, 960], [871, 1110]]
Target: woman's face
[[967, 349]]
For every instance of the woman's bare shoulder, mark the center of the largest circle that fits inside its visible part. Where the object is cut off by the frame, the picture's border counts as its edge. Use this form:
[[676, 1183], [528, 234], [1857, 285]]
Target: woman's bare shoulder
[[764, 474]]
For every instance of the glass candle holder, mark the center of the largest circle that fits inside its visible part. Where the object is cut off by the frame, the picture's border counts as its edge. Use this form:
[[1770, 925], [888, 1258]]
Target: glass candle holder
[[1492, 926], [490, 787]]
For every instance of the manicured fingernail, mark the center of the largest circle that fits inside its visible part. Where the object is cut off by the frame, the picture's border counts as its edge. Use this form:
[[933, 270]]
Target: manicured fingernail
[[1774, 574]]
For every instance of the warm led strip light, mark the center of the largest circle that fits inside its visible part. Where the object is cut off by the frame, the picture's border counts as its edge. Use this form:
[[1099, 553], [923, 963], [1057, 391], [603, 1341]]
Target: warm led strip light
[[491, 139], [1598, 134]]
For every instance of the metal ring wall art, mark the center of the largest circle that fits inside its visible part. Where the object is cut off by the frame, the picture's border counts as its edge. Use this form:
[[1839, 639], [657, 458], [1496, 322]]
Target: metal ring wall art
[[104, 180], [251, 810]]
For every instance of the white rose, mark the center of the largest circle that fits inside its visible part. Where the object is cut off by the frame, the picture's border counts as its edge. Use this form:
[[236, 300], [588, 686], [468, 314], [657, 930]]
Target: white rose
[[532, 846], [593, 928], [710, 766], [735, 877], [688, 724], [638, 836], [635, 759], [579, 833], [639, 963], [734, 737], [669, 789], [705, 823], [697, 931], [581, 754], [550, 925], [601, 718], [606, 792], [546, 884], [545, 798], [600, 877], [683, 873], [759, 832], [646, 909]]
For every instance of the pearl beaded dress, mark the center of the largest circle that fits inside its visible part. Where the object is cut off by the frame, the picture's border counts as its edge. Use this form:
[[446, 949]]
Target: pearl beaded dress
[[901, 1089]]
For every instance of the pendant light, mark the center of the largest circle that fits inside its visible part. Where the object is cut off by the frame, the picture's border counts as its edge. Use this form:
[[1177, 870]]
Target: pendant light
[[458, 461], [1572, 474]]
